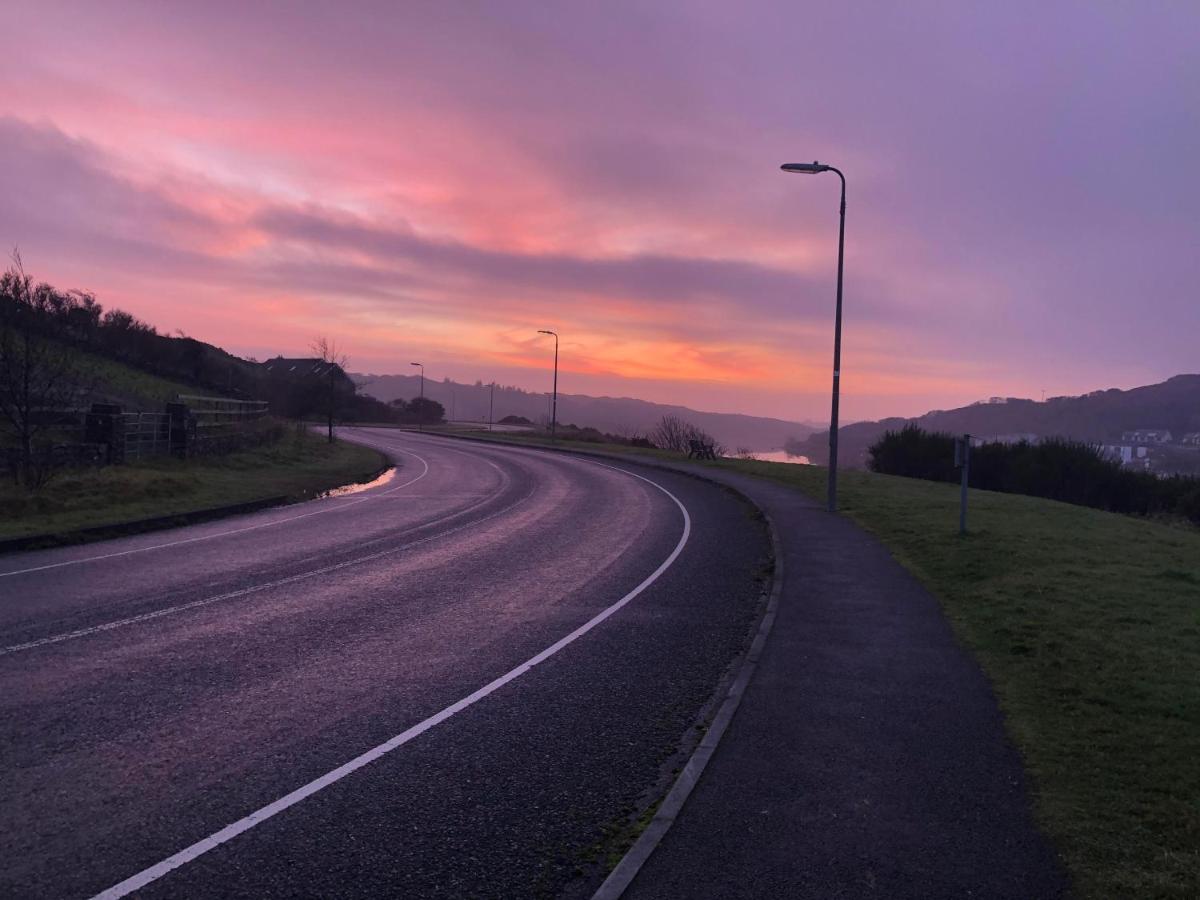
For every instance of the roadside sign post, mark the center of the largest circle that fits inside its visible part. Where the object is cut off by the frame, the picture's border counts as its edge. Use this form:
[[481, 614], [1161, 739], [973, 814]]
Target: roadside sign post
[[962, 460]]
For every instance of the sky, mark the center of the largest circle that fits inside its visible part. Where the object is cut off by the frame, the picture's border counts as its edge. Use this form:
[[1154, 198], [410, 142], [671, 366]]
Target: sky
[[436, 181]]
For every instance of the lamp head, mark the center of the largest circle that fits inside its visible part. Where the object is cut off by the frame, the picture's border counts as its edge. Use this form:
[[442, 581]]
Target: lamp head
[[812, 168], [415, 364]]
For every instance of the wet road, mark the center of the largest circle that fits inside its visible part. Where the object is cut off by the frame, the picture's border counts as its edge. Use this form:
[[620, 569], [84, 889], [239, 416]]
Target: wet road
[[452, 684]]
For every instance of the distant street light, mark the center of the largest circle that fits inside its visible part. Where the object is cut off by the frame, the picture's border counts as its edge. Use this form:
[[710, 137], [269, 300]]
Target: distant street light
[[421, 411], [815, 168], [554, 402], [491, 405]]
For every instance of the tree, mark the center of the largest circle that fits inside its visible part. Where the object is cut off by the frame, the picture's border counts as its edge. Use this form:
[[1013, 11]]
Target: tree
[[426, 411], [327, 352], [673, 433], [40, 378]]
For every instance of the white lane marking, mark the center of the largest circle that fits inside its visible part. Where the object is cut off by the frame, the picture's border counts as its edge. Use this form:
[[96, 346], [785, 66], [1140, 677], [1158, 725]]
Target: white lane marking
[[300, 576], [209, 537], [158, 870]]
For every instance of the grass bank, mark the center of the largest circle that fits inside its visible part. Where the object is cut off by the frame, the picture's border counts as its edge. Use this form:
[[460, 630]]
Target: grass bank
[[1088, 624], [297, 466]]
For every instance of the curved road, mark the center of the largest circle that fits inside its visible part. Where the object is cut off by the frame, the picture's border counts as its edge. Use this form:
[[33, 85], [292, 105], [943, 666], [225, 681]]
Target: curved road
[[455, 683]]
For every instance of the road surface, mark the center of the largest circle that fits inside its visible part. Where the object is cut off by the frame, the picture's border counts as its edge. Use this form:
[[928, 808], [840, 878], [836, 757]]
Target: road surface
[[455, 683]]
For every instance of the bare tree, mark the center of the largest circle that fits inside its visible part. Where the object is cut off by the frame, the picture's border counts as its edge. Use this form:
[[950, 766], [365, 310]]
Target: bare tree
[[673, 433], [327, 351], [40, 378]]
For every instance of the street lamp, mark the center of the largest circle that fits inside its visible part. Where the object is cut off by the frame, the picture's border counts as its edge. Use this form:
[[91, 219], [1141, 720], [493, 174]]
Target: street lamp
[[816, 168], [554, 402], [421, 411]]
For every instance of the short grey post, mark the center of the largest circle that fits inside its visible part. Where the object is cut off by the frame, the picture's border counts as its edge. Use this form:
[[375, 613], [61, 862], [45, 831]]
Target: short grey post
[[962, 459]]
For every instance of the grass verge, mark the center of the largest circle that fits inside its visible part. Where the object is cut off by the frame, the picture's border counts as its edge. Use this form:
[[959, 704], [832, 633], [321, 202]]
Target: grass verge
[[297, 466], [1088, 625]]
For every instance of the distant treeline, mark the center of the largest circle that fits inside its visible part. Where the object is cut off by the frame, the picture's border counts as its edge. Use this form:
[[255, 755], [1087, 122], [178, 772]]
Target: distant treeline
[[1057, 469]]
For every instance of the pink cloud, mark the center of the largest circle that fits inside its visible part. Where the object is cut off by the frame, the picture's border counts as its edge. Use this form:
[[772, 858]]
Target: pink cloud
[[435, 178]]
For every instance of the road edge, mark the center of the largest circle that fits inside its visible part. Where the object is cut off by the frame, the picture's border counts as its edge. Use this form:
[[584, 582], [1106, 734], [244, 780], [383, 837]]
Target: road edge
[[624, 873], [636, 857]]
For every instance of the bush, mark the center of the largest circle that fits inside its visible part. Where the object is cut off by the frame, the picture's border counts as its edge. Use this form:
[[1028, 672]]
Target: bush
[[1057, 469]]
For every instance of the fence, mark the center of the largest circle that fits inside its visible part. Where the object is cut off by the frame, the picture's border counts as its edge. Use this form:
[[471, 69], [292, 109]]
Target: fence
[[148, 434], [216, 411], [193, 426], [216, 425]]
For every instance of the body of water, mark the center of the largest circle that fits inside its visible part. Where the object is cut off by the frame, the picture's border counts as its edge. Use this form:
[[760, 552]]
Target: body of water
[[781, 456]]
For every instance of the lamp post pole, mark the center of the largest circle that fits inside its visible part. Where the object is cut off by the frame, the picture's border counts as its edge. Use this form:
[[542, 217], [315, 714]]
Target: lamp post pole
[[421, 411], [554, 402], [815, 168], [491, 405]]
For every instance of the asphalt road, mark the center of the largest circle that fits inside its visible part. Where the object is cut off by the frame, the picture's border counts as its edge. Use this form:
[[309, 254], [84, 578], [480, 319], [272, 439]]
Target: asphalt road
[[332, 699]]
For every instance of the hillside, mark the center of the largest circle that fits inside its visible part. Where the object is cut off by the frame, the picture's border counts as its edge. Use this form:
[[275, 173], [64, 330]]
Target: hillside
[[618, 415], [1098, 417]]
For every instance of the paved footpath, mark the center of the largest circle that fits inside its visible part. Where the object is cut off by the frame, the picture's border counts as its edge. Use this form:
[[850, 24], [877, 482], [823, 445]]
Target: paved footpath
[[868, 757]]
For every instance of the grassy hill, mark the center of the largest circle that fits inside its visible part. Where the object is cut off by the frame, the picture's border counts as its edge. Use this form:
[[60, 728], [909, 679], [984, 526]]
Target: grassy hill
[[135, 389]]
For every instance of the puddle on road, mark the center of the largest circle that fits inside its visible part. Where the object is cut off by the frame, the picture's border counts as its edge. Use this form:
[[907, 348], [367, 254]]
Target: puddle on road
[[347, 489]]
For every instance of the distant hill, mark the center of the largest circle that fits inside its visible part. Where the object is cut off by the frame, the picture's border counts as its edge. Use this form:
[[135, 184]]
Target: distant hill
[[618, 415], [1099, 417]]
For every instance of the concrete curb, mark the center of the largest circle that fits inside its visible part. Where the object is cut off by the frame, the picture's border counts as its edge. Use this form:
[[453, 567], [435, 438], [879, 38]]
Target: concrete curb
[[621, 877]]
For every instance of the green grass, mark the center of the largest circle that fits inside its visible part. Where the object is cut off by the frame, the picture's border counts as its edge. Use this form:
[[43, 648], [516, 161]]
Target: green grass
[[1088, 625], [133, 387], [296, 466]]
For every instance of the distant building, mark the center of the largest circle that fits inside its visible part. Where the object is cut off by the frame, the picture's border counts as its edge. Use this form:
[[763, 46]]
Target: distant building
[[1147, 436], [300, 386], [307, 370], [1191, 439], [283, 367]]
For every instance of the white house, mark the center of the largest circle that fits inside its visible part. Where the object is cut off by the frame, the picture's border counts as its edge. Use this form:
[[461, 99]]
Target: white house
[[1147, 436]]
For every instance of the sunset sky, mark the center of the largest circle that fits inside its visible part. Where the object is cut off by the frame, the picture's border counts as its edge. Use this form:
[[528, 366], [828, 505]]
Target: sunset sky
[[437, 181]]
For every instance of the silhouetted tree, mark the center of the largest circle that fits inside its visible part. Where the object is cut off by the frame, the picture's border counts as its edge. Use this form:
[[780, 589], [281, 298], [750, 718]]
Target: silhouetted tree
[[673, 433], [426, 411], [40, 378], [327, 351]]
